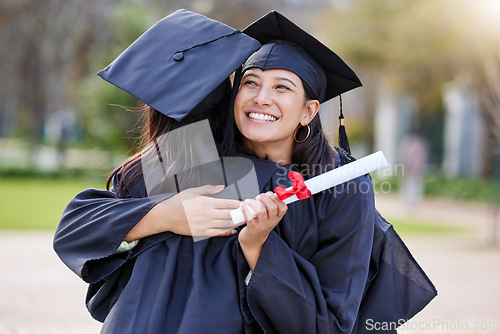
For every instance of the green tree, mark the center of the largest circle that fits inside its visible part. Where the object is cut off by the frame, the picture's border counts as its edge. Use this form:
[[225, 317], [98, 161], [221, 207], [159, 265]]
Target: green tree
[[416, 46], [101, 105]]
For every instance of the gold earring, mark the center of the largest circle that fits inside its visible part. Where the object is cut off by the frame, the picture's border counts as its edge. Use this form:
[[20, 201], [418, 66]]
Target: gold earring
[[295, 134]]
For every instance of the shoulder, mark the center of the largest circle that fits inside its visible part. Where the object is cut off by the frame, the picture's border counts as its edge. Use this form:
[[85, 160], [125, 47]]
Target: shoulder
[[346, 205], [360, 187], [128, 181], [353, 190]]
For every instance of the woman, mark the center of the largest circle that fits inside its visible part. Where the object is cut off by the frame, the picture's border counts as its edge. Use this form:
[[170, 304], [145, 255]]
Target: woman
[[298, 269], [167, 282], [326, 264], [309, 272]]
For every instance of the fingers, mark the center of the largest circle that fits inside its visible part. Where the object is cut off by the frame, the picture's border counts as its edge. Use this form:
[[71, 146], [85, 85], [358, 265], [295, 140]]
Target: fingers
[[211, 216], [223, 204], [266, 206], [222, 232], [211, 228], [259, 209], [217, 203], [223, 223], [220, 209], [208, 189], [275, 206], [249, 216]]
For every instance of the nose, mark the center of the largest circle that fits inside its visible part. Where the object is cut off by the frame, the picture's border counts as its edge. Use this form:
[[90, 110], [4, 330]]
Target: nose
[[263, 97]]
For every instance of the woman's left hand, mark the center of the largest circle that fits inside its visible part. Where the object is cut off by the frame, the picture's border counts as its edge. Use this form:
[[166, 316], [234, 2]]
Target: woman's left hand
[[270, 209]]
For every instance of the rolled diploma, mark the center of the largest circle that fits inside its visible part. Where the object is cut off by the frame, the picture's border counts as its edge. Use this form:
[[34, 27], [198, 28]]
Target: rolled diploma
[[329, 179]]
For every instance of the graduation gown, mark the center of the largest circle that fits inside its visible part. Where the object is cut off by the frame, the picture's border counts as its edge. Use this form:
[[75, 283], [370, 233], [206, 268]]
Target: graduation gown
[[315, 271]]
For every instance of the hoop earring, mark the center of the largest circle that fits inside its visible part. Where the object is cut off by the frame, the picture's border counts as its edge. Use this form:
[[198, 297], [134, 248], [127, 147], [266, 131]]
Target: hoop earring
[[303, 140]]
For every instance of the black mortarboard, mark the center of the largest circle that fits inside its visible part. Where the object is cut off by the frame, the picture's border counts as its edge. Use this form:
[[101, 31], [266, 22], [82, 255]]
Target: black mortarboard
[[181, 63], [291, 48]]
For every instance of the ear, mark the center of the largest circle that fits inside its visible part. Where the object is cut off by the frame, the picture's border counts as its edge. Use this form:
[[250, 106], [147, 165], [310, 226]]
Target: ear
[[311, 109]]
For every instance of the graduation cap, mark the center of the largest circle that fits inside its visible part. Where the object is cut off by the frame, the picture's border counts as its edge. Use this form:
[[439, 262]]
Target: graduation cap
[[179, 66], [287, 46]]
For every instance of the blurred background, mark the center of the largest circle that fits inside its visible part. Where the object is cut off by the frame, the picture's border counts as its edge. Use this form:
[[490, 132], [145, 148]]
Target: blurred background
[[430, 101]]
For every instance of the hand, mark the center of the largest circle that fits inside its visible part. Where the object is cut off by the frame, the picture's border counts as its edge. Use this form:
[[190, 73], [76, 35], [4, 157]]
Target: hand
[[189, 213], [206, 216], [270, 209]]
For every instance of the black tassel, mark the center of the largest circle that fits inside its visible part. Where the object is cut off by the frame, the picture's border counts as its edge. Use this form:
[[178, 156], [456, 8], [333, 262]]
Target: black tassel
[[343, 141]]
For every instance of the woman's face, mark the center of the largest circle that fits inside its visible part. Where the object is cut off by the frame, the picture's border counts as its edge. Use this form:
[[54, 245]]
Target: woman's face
[[270, 105]]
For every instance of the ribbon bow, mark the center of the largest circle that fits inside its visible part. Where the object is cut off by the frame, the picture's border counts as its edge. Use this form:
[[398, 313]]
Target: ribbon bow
[[298, 188]]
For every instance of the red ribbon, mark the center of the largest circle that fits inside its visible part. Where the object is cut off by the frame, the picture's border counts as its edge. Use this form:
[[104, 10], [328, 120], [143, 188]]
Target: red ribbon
[[298, 188]]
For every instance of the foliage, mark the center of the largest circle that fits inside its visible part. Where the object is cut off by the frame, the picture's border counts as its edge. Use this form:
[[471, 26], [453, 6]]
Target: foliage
[[82, 174], [406, 46], [456, 188], [101, 110], [410, 46], [413, 45], [463, 188], [102, 115], [48, 47], [101, 105]]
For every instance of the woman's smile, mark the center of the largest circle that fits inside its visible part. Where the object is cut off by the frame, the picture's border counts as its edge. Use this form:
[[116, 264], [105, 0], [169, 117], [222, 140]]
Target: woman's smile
[[261, 117]]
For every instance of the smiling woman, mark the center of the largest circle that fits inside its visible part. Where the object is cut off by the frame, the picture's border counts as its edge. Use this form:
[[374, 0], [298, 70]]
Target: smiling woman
[[279, 96], [269, 107], [290, 251], [319, 259]]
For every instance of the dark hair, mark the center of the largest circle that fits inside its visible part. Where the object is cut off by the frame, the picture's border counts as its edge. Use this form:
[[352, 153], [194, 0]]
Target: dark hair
[[153, 124], [312, 157], [315, 155]]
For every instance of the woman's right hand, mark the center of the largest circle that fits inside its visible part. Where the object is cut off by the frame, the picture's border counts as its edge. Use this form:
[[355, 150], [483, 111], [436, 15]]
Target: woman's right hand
[[270, 209], [189, 213]]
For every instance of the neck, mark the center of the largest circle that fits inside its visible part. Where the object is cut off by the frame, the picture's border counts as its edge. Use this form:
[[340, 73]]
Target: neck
[[277, 152]]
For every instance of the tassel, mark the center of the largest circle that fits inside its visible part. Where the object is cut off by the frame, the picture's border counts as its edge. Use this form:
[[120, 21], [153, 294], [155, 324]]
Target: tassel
[[343, 141]]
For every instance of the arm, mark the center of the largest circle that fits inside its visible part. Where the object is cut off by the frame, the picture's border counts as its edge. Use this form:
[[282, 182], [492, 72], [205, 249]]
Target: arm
[[253, 236], [322, 294], [189, 213], [93, 225], [95, 222]]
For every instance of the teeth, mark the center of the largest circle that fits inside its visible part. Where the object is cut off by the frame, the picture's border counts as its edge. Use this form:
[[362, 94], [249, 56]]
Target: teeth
[[262, 117]]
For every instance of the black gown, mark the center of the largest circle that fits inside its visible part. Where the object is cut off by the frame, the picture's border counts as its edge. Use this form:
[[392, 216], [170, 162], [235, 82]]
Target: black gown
[[332, 265]]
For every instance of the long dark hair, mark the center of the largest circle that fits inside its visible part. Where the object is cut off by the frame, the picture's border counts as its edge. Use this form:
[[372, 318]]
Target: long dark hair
[[312, 157], [153, 124]]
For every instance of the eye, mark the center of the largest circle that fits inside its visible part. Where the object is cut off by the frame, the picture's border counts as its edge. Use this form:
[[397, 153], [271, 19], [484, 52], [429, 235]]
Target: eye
[[249, 83], [282, 87]]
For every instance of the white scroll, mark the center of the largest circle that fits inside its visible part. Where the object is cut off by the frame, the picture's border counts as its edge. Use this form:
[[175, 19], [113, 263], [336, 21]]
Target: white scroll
[[330, 179]]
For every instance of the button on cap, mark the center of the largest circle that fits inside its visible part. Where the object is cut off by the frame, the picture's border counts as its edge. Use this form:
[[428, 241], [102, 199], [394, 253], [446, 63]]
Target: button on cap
[[178, 56]]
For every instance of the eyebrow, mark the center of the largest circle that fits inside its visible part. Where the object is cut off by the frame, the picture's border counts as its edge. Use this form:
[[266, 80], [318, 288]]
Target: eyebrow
[[286, 79], [276, 78], [250, 75]]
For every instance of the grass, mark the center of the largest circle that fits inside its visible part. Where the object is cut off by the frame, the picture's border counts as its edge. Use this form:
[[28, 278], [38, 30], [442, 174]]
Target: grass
[[411, 226], [33, 203], [37, 203]]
